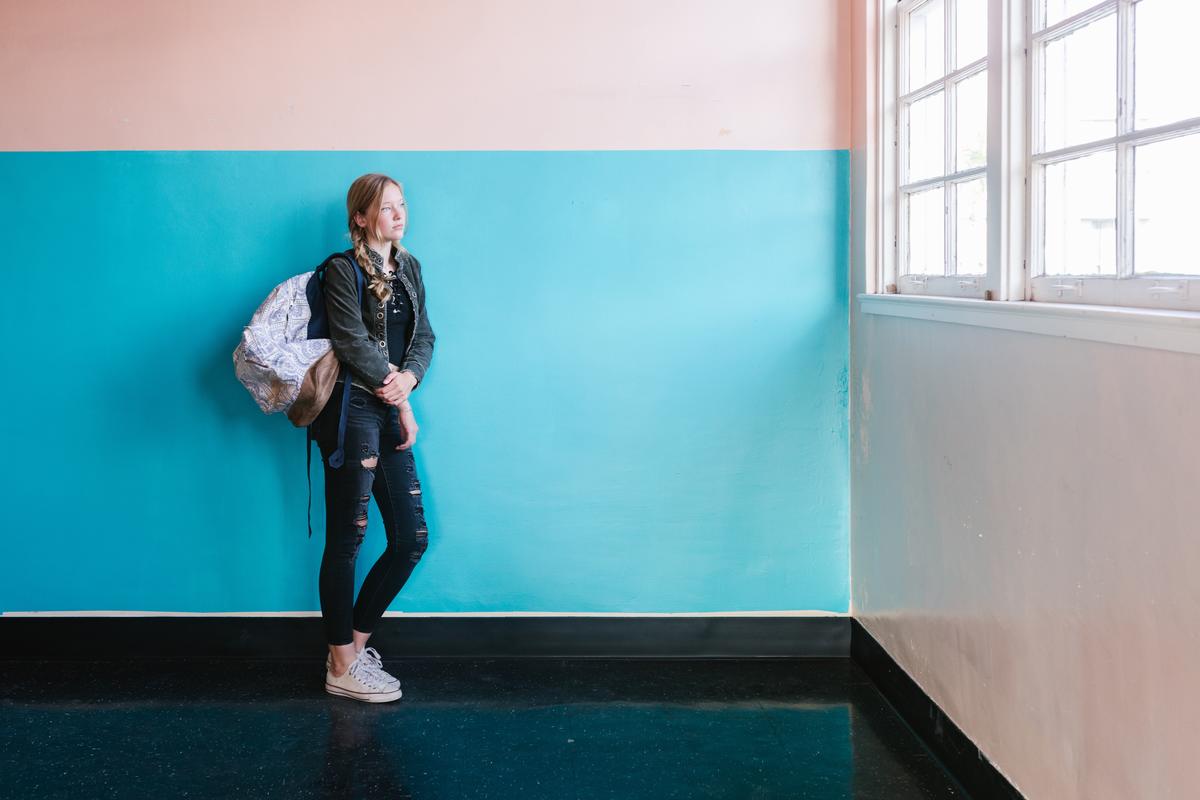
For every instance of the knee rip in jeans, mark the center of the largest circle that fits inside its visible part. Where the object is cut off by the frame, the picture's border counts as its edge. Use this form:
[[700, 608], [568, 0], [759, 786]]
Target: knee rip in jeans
[[369, 459]]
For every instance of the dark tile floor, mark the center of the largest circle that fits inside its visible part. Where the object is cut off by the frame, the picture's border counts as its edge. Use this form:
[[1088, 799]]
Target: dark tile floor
[[551, 728]]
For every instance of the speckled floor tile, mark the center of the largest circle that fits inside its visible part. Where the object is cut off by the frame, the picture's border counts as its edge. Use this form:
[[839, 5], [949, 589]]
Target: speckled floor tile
[[529, 729]]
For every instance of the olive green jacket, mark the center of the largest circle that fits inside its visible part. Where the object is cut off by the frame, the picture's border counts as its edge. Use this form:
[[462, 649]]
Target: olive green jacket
[[359, 332]]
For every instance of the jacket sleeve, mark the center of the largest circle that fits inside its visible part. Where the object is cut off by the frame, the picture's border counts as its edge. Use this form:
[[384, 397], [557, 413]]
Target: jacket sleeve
[[421, 352], [347, 331]]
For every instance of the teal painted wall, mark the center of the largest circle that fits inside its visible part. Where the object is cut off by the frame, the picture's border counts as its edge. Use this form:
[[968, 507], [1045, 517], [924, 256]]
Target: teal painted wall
[[637, 401]]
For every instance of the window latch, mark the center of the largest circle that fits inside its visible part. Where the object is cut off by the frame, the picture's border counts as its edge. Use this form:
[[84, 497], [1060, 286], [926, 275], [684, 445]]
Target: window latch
[[1178, 289], [1075, 288]]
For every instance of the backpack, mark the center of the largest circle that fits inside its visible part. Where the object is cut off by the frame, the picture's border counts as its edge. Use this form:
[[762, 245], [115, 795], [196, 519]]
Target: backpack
[[285, 358]]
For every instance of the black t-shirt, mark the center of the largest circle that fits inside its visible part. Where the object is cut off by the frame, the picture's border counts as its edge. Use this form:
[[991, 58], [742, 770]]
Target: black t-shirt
[[399, 322]]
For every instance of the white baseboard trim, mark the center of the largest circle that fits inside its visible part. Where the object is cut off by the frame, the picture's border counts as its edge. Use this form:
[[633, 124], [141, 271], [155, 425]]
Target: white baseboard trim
[[428, 614]]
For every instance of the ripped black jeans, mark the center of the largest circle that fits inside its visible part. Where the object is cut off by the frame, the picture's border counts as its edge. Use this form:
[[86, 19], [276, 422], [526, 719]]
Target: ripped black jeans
[[372, 465]]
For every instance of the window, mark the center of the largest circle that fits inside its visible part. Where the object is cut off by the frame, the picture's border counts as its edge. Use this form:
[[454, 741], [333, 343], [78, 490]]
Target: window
[[1056, 160], [941, 136], [1115, 155]]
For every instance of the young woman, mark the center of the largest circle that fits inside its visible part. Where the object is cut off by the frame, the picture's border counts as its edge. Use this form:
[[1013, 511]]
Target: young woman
[[385, 344]]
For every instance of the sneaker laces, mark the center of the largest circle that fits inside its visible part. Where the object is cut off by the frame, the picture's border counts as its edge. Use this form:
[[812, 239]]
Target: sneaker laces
[[375, 662], [361, 670], [373, 656]]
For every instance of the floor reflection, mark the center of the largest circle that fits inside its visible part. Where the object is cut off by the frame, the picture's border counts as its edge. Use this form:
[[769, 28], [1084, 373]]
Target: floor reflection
[[495, 729], [358, 763]]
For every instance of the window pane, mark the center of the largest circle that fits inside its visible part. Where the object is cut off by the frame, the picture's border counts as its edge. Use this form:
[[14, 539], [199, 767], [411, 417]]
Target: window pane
[[926, 44], [1079, 216], [970, 36], [1080, 100], [926, 233], [970, 233], [970, 124], [1166, 206], [1168, 61], [927, 138], [1057, 10]]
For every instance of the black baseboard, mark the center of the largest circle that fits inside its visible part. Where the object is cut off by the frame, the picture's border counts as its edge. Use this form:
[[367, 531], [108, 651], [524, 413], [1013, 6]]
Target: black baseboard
[[92, 638], [952, 747]]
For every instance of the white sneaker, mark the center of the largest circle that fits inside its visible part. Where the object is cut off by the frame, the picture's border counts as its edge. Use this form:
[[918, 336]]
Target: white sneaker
[[375, 663], [361, 682]]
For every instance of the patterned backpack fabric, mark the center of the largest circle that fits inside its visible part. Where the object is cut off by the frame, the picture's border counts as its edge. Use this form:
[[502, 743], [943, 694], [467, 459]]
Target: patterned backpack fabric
[[276, 353], [285, 358]]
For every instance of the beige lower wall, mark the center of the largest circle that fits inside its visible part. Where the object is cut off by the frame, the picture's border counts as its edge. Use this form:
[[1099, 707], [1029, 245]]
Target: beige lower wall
[[1026, 544]]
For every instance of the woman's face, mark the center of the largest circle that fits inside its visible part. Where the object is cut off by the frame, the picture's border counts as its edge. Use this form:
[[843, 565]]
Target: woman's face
[[392, 217]]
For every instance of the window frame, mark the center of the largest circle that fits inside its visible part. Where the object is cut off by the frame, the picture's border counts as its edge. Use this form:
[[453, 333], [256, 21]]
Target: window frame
[[896, 130], [1013, 180], [1126, 288]]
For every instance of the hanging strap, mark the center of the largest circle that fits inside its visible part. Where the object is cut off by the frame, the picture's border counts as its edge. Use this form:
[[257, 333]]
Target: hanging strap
[[308, 472], [337, 457]]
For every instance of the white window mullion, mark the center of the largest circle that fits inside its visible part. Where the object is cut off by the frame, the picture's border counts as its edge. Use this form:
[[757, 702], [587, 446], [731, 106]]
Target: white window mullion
[[903, 112], [1125, 124], [954, 77], [949, 192], [1075, 22], [1007, 164], [893, 83], [949, 106], [1036, 136], [902, 204]]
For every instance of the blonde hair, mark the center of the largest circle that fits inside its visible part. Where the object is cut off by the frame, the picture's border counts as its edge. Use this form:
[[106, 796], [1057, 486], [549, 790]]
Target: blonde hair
[[363, 198]]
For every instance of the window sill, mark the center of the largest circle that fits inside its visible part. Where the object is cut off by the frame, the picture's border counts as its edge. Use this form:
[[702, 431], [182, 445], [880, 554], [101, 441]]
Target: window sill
[[1178, 331]]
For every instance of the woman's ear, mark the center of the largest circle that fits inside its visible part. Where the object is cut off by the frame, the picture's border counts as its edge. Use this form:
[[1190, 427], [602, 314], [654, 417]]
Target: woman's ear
[[360, 220]]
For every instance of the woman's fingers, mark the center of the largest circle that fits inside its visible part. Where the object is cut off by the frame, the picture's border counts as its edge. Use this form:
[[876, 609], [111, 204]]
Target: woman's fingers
[[408, 427], [393, 394], [392, 391], [410, 438]]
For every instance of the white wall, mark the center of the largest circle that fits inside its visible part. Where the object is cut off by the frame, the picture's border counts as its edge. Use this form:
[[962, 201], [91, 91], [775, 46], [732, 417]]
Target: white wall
[[1024, 535]]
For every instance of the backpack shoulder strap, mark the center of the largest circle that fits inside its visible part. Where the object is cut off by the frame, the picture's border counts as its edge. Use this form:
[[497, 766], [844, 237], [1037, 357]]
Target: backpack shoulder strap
[[346, 254], [358, 271]]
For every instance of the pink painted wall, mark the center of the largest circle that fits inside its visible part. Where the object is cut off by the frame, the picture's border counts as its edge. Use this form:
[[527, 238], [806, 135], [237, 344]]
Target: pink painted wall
[[445, 75]]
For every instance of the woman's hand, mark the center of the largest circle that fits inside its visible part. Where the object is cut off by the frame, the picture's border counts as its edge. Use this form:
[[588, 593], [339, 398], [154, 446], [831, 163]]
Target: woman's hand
[[396, 387], [408, 426]]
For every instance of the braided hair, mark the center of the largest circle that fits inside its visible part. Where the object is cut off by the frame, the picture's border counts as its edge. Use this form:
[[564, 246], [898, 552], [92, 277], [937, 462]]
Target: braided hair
[[363, 198]]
